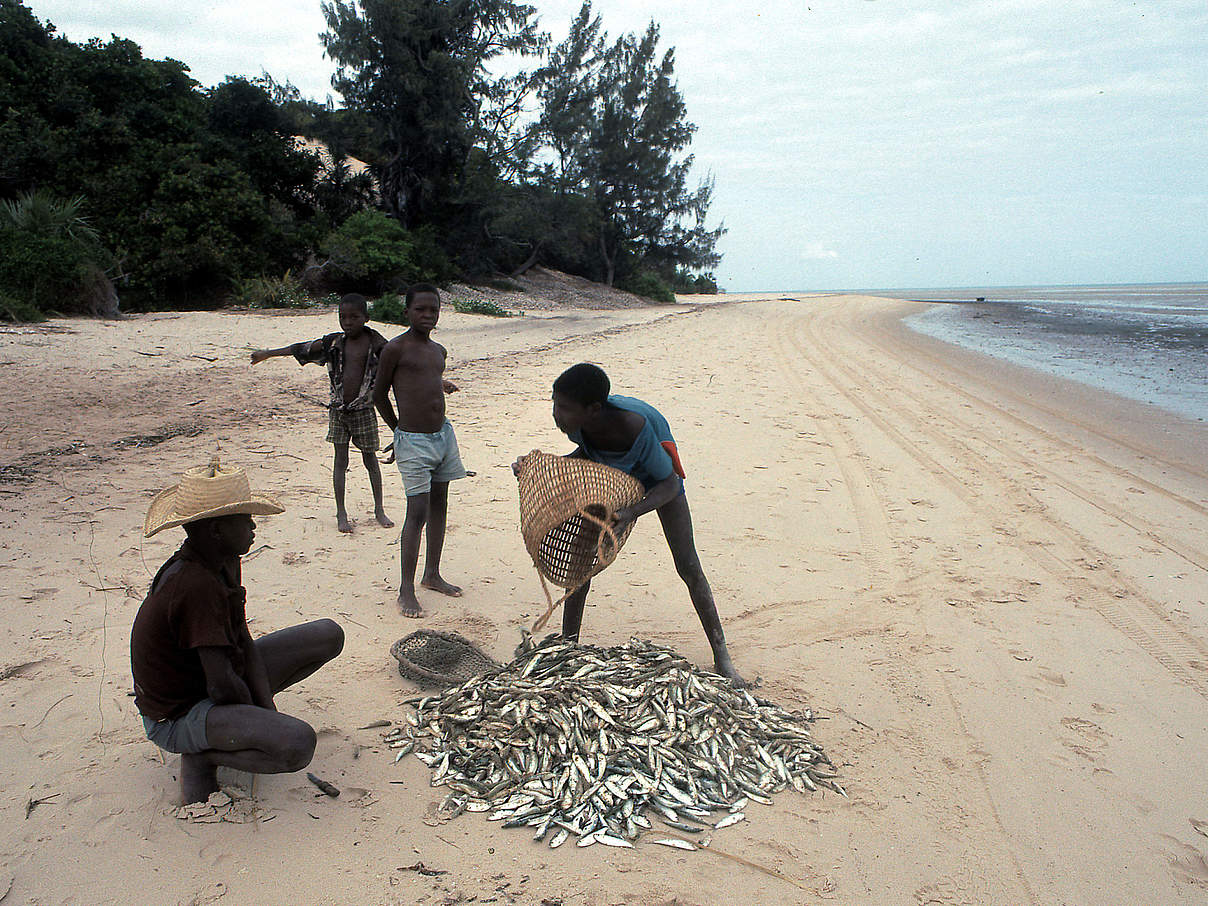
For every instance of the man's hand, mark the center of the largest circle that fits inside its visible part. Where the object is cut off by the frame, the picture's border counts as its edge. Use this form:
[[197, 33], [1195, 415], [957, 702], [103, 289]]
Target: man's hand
[[449, 386], [259, 355], [389, 451], [517, 464]]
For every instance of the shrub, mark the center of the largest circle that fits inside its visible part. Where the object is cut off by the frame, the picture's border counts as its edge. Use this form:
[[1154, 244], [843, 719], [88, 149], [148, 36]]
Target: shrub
[[481, 307], [14, 309], [647, 284], [390, 309], [371, 252], [431, 264], [688, 283], [285, 291], [50, 259]]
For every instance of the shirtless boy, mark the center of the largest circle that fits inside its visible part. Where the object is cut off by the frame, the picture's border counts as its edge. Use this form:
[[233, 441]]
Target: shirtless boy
[[633, 436], [352, 360], [425, 448], [203, 685]]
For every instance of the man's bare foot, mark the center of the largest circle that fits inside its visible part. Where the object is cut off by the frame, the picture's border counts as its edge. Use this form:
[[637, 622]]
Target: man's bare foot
[[436, 583], [343, 524], [198, 778], [383, 520], [409, 606]]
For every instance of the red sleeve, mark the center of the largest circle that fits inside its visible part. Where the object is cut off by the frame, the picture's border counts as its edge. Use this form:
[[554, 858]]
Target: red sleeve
[[669, 446]]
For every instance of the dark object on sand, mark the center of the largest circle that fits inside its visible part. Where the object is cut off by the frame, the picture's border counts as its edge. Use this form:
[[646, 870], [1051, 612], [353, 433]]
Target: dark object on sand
[[330, 789], [439, 658]]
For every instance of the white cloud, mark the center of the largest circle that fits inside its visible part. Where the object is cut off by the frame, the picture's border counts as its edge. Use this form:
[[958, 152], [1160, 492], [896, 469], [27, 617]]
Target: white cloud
[[817, 251]]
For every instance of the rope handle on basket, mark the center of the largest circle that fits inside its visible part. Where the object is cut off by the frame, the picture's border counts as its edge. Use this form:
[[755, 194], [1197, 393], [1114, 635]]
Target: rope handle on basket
[[552, 605]]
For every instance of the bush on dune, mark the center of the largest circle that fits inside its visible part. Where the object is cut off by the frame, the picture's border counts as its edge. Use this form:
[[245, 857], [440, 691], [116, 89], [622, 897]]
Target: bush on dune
[[51, 260]]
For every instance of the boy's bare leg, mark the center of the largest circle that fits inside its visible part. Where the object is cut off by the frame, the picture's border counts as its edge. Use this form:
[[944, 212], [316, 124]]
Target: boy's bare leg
[[572, 612], [438, 516], [413, 525], [677, 527], [338, 470], [375, 482]]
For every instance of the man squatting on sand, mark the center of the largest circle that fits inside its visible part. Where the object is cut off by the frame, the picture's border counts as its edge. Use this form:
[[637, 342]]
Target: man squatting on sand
[[203, 685], [352, 360], [425, 447], [633, 436]]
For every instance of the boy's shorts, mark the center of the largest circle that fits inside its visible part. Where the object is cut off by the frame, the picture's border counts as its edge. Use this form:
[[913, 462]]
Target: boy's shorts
[[358, 425], [184, 735], [425, 458]]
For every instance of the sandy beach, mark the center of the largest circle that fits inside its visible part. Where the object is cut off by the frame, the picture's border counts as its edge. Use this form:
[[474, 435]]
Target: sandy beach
[[990, 586]]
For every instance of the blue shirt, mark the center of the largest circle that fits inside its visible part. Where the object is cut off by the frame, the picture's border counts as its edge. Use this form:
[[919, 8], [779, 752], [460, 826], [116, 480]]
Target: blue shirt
[[647, 460]]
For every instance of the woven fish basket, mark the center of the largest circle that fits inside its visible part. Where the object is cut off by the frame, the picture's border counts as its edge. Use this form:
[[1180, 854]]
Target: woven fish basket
[[439, 658], [566, 510]]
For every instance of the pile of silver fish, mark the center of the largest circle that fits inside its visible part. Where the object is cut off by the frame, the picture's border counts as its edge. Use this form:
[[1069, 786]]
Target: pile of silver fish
[[571, 739]]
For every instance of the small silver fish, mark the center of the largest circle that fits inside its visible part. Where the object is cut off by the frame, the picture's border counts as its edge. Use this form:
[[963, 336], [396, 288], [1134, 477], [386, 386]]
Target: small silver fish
[[676, 842], [733, 818], [609, 840]]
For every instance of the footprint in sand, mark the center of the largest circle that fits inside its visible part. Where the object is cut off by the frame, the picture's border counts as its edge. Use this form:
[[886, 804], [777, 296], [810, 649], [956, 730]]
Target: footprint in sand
[[1188, 864], [1085, 737], [1050, 676]]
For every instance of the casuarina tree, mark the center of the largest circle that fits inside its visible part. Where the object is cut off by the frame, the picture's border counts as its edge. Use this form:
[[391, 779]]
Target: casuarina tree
[[419, 68]]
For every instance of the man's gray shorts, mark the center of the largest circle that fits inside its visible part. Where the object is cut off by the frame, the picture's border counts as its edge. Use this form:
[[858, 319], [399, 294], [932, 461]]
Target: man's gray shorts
[[425, 458], [185, 735]]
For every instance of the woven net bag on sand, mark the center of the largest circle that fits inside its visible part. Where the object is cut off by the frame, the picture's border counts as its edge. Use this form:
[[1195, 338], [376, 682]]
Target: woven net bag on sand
[[566, 509], [439, 658]]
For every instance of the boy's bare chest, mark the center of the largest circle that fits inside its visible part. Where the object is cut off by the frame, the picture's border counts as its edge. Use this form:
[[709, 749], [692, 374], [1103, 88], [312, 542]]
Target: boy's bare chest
[[425, 359], [355, 357]]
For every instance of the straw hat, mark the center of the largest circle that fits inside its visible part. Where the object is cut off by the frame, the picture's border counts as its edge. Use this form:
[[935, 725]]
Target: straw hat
[[206, 492]]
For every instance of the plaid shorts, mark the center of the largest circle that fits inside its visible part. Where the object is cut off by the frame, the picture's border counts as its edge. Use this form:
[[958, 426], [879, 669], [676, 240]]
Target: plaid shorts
[[359, 425]]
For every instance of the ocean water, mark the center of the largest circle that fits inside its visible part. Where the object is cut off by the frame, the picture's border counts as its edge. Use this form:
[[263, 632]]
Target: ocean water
[[1143, 342]]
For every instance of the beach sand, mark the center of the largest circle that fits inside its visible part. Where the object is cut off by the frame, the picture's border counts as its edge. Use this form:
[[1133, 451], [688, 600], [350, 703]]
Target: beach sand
[[990, 586]]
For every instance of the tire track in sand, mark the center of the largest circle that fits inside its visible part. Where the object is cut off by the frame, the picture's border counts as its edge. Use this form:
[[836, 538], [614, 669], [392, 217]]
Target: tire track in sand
[[871, 511], [1181, 653]]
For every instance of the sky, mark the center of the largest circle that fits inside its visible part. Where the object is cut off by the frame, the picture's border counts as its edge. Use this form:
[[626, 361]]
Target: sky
[[865, 144]]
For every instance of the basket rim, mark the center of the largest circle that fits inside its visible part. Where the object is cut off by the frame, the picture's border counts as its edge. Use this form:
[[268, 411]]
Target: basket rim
[[408, 667]]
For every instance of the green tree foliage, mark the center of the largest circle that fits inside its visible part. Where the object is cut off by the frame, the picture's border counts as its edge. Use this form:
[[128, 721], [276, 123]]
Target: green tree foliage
[[480, 164], [372, 253], [689, 283], [51, 260], [190, 189], [617, 128], [419, 70]]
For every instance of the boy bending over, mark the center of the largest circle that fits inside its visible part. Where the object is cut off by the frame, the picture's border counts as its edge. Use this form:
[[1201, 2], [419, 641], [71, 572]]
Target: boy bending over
[[633, 436]]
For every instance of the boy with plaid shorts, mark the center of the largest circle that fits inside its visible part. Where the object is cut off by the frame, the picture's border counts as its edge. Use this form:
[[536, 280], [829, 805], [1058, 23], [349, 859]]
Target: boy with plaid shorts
[[352, 360]]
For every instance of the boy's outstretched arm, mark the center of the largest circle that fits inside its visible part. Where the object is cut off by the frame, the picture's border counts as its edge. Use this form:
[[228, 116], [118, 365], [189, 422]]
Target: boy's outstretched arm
[[382, 384], [310, 351], [259, 355]]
